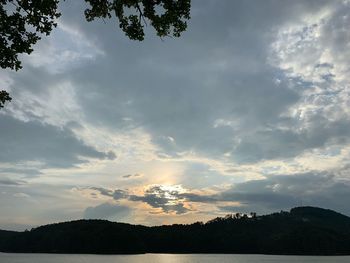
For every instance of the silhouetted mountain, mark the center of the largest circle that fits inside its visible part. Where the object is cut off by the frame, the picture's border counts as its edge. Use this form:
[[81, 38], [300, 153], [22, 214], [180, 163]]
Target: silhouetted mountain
[[303, 231]]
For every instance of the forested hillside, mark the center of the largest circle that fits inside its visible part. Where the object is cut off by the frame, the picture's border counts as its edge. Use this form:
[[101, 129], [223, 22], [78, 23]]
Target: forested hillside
[[303, 230]]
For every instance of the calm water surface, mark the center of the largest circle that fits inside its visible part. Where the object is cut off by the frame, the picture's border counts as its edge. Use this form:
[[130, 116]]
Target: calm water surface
[[163, 258]]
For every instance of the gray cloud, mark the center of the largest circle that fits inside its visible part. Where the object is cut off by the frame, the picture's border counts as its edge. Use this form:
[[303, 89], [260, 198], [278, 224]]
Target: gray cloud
[[287, 191], [155, 196], [230, 80], [23, 172], [283, 192], [158, 197], [33, 141], [127, 176], [119, 194], [266, 195], [9, 182], [103, 191], [110, 155], [160, 201], [212, 92], [20, 209], [279, 143], [116, 194], [107, 211]]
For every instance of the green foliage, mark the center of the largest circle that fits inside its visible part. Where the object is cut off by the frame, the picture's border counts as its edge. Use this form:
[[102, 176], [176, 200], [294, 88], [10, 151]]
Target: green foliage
[[168, 17], [22, 22], [4, 96]]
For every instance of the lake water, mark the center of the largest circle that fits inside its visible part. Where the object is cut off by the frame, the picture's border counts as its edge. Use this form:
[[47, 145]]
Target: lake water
[[164, 258]]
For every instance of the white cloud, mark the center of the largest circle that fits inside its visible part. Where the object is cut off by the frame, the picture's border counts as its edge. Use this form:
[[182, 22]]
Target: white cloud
[[65, 48], [316, 51], [57, 105]]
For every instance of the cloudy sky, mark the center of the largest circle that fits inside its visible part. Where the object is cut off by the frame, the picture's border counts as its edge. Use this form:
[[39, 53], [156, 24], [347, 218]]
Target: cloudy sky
[[248, 111]]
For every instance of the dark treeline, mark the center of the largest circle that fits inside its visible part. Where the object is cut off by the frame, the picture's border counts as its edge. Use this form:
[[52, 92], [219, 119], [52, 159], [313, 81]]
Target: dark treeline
[[302, 231]]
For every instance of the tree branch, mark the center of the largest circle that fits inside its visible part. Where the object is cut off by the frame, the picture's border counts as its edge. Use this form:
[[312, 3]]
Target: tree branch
[[141, 14]]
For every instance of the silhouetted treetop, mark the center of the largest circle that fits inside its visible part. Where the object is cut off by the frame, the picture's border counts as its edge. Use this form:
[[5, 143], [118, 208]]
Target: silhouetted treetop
[[167, 17]]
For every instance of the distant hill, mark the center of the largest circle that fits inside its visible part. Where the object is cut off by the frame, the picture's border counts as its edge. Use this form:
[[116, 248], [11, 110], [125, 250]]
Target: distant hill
[[302, 231]]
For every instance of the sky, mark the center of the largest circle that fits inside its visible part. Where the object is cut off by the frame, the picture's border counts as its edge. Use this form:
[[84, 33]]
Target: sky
[[248, 111]]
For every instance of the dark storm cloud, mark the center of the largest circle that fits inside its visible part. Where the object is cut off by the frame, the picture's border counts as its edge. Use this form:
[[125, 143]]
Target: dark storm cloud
[[107, 211], [33, 141]]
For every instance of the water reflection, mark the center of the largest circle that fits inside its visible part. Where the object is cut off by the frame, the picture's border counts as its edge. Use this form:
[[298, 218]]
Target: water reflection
[[166, 258]]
